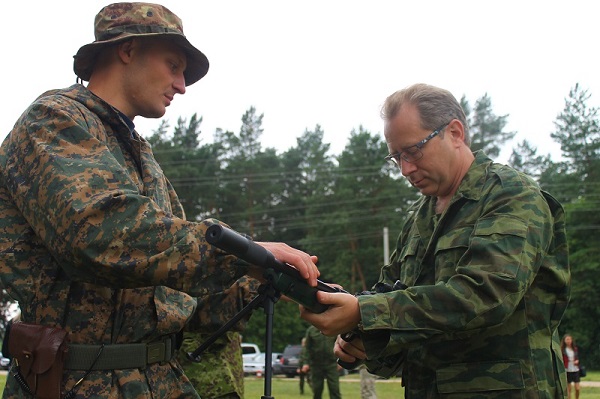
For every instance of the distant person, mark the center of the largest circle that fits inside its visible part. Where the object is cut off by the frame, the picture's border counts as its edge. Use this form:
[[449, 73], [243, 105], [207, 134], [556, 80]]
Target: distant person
[[470, 304], [303, 360], [321, 363], [367, 383], [94, 243], [570, 354]]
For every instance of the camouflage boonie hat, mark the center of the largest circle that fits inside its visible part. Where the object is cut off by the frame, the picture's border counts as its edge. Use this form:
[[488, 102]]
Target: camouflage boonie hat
[[121, 21]]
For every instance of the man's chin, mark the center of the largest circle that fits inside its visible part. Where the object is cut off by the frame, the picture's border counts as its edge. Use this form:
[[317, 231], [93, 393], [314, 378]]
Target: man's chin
[[154, 114]]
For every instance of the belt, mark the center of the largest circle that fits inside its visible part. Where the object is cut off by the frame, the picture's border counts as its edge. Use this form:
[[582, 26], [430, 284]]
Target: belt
[[120, 356]]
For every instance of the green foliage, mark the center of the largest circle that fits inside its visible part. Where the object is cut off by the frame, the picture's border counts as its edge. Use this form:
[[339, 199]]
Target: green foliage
[[524, 158], [577, 130], [288, 328], [364, 196], [486, 128], [578, 133], [575, 182]]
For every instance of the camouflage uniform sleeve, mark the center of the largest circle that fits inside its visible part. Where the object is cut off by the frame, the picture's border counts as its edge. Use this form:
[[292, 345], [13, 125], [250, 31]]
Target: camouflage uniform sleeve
[[216, 309], [482, 271], [100, 203]]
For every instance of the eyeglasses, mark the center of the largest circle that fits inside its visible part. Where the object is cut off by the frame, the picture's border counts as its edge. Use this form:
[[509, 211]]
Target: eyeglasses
[[413, 153]]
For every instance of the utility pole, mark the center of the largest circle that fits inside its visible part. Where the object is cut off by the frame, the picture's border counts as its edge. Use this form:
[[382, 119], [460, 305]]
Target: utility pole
[[386, 246]]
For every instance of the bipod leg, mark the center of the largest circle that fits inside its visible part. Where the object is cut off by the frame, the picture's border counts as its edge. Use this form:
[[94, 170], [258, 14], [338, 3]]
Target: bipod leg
[[272, 295], [256, 302]]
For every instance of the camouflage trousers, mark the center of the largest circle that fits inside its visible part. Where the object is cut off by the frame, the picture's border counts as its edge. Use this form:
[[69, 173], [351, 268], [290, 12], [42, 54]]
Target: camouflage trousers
[[318, 374]]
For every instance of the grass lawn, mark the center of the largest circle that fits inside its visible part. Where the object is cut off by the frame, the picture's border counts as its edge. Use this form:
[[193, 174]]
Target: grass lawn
[[288, 388]]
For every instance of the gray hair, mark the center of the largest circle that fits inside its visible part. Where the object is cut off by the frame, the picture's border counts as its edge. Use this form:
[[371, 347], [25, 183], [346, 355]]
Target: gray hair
[[436, 106]]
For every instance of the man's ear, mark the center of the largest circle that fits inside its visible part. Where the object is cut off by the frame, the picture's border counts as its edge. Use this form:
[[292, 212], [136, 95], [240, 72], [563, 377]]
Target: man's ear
[[125, 50], [456, 129]]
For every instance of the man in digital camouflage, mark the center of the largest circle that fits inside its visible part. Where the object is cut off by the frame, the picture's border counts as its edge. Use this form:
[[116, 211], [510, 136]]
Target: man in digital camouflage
[[483, 255], [220, 372], [93, 238]]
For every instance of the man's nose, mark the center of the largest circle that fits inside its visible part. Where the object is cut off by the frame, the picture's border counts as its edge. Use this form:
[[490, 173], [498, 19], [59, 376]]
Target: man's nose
[[179, 84], [407, 167]]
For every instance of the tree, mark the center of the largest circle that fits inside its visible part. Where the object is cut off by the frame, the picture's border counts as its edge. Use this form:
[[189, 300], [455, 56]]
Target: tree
[[249, 190], [349, 217], [7, 309], [486, 128], [191, 168], [525, 159], [305, 180], [577, 133]]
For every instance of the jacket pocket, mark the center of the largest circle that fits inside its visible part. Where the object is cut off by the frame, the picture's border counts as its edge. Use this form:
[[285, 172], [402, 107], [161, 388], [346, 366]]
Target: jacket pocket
[[480, 377]]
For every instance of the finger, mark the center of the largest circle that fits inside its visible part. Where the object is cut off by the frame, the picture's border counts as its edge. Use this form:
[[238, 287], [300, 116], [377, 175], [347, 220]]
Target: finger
[[305, 265], [352, 349], [313, 272], [342, 354], [330, 298]]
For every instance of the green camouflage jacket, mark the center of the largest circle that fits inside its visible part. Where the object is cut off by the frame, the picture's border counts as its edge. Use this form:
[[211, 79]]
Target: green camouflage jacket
[[220, 372], [488, 283], [318, 349], [94, 239]]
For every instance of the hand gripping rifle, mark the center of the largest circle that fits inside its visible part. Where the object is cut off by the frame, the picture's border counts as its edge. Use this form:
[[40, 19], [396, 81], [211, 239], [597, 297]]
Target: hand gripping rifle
[[281, 279], [282, 276], [351, 335]]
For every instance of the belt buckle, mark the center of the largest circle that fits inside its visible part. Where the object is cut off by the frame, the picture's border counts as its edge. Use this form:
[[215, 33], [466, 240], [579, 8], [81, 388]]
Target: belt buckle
[[156, 352]]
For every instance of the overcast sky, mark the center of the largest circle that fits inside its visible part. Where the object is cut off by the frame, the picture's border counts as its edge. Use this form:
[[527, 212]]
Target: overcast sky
[[332, 63]]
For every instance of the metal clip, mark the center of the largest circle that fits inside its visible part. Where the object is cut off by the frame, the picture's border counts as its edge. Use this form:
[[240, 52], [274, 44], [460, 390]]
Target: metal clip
[[156, 352]]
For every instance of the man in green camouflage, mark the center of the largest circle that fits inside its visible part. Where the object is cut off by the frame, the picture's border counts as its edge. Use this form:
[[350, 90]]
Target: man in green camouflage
[[321, 364], [220, 372], [479, 280], [302, 360], [93, 238]]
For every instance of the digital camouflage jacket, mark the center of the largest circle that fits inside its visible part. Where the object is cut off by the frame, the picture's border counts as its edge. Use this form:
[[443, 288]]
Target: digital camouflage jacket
[[488, 283], [93, 239]]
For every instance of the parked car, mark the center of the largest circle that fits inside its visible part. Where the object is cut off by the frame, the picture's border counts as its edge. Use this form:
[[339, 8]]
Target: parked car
[[4, 362], [249, 350], [277, 363], [256, 364], [290, 359]]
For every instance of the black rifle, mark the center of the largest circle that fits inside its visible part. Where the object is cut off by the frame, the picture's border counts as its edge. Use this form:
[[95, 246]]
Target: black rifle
[[284, 277]]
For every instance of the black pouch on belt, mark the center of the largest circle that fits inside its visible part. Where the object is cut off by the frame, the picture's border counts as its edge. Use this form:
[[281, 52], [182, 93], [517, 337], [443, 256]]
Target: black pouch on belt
[[39, 355]]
